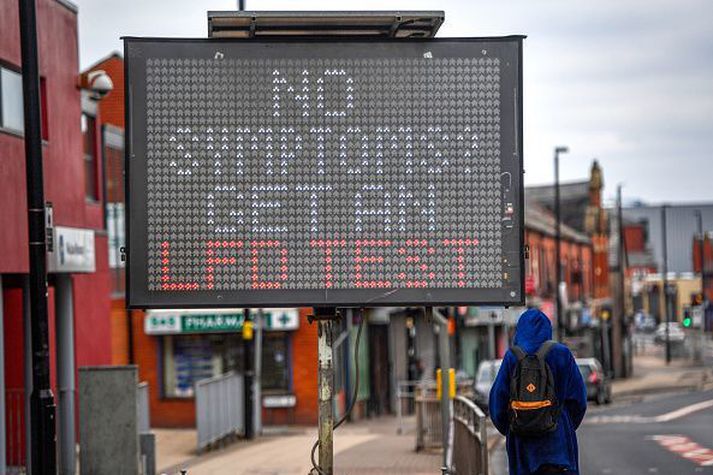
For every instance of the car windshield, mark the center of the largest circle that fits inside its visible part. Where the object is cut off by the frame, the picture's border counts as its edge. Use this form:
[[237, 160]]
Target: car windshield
[[488, 371], [585, 369]]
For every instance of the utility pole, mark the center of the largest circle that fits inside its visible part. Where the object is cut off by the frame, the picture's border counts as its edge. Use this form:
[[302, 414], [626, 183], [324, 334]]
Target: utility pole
[[42, 406], [702, 261], [619, 317], [558, 245], [241, 5], [665, 281]]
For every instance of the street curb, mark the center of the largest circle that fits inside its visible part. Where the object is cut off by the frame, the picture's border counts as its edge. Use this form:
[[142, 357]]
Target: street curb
[[703, 380], [633, 393]]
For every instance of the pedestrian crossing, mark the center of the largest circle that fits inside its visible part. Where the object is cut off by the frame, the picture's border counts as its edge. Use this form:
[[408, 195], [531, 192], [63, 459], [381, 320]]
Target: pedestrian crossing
[[686, 448]]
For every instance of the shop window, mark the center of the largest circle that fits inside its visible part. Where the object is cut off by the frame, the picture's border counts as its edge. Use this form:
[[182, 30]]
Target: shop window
[[275, 363], [89, 135], [11, 106], [188, 359]]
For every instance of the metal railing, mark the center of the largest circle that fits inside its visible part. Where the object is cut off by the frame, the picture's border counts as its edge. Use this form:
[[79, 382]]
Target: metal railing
[[429, 429], [405, 401], [469, 439], [220, 411]]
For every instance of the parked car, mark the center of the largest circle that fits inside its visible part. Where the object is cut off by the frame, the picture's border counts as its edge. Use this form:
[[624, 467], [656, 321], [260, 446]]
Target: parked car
[[484, 379], [645, 323], [675, 333], [597, 382]]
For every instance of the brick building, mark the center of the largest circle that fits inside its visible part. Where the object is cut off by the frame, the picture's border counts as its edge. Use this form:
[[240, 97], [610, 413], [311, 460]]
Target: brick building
[[540, 271], [78, 293], [583, 211]]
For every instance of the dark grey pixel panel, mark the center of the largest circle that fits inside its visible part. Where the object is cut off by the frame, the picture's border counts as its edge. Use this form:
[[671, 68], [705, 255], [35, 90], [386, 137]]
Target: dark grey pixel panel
[[359, 173]]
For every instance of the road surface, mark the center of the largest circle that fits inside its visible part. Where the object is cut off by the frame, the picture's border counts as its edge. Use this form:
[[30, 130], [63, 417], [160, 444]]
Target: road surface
[[667, 434]]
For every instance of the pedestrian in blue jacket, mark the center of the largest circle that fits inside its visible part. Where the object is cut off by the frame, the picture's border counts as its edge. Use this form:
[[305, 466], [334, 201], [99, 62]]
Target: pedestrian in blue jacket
[[556, 451]]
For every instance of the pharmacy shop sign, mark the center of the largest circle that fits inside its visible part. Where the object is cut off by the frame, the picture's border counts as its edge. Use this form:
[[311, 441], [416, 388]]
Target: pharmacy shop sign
[[174, 322]]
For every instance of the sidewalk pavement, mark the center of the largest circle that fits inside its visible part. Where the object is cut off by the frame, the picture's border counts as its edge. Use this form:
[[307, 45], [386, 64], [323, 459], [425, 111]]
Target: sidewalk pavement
[[366, 447], [372, 446], [653, 375]]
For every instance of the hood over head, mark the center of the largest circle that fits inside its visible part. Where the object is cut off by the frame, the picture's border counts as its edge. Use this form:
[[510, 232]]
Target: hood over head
[[533, 329]]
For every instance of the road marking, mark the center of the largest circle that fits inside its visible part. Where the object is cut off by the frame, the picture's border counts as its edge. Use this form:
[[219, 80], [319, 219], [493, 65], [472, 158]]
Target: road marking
[[686, 448], [684, 411], [634, 419], [618, 420]]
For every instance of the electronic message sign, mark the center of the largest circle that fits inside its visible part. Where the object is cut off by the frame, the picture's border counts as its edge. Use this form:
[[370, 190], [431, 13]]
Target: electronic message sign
[[324, 173]]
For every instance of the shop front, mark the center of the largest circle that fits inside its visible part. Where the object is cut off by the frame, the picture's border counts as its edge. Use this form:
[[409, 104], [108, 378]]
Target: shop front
[[178, 348]]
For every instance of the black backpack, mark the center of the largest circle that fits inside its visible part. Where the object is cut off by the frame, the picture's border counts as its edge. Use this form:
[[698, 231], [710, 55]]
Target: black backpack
[[533, 405]]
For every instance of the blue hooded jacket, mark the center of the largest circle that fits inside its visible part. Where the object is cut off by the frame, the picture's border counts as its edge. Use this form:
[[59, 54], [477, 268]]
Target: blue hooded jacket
[[559, 448]]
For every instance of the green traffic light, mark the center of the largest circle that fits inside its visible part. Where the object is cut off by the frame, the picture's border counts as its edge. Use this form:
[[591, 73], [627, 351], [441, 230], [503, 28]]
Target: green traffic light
[[686, 322]]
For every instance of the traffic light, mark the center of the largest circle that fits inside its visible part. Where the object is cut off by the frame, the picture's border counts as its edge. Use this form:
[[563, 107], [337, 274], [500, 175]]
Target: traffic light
[[687, 321]]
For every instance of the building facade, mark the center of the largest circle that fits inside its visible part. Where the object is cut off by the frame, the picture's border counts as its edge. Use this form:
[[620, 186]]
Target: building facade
[[78, 268], [583, 211]]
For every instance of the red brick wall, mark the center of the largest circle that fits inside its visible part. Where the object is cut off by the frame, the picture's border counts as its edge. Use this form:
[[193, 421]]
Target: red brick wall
[[119, 333], [635, 238], [304, 370], [541, 266], [600, 244], [708, 263]]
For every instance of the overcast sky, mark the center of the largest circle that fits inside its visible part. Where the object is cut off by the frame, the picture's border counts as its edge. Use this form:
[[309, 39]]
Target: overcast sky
[[629, 82]]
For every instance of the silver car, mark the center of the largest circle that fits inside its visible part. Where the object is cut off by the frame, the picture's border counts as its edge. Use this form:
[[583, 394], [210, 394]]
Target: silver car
[[596, 380]]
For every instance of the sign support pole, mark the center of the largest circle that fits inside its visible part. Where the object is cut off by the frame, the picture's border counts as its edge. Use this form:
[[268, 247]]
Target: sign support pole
[[249, 375], [444, 350], [326, 318]]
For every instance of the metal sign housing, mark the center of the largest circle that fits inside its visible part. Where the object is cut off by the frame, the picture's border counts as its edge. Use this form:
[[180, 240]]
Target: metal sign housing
[[324, 173]]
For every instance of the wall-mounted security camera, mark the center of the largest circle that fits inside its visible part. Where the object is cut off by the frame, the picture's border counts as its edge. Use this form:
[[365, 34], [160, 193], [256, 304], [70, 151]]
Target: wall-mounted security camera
[[99, 84]]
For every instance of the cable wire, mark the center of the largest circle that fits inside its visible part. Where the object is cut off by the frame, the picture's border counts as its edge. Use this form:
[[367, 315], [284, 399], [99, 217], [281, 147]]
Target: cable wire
[[315, 467]]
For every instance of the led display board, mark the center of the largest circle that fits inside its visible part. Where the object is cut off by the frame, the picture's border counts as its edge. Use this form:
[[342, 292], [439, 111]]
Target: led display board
[[324, 173]]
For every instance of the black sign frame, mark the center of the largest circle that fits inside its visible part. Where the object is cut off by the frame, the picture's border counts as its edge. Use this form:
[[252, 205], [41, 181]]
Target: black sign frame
[[139, 296]]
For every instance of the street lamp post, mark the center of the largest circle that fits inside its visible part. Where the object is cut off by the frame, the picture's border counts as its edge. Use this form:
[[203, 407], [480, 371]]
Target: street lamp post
[[664, 280], [43, 455], [558, 243], [702, 263]]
